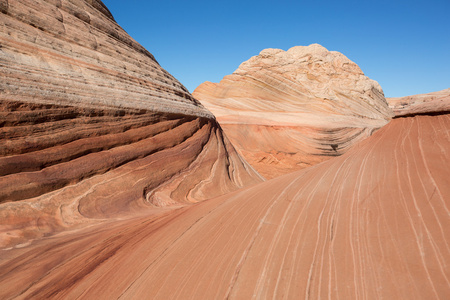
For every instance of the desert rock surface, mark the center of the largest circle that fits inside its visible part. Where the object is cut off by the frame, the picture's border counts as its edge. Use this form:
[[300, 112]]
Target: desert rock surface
[[431, 103], [285, 110], [370, 224], [91, 127]]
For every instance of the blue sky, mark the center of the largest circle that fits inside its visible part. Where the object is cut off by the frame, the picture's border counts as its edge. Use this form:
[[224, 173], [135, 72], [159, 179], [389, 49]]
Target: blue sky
[[404, 45]]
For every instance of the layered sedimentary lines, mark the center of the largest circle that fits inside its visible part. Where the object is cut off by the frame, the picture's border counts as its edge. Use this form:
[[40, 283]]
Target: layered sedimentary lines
[[431, 103], [370, 224], [302, 93], [63, 165], [91, 127], [73, 52]]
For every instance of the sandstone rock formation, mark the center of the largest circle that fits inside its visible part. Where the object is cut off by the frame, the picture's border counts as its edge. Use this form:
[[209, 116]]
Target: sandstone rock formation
[[370, 224], [284, 110], [99, 139], [91, 127], [436, 102]]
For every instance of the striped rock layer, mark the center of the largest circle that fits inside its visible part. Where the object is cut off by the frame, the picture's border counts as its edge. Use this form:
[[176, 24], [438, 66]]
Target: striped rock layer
[[370, 224], [431, 103], [284, 110], [91, 127]]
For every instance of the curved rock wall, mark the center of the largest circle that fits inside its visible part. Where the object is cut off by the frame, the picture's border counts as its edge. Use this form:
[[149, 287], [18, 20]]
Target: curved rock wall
[[91, 127], [70, 53]]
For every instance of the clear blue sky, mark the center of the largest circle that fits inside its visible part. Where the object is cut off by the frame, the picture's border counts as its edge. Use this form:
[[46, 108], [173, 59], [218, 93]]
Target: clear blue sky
[[404, 45]]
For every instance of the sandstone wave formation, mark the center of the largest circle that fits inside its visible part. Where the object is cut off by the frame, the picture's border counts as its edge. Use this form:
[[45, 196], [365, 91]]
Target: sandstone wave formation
[[91, 127], [115, 183], [286, 110], [370, 224], [431, 103]]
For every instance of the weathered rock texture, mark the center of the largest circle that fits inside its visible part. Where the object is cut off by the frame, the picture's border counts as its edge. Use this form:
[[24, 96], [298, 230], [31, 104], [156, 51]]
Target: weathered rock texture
[[284, 110], [431, 103], [74, 53], [370, 224], [91, 127]]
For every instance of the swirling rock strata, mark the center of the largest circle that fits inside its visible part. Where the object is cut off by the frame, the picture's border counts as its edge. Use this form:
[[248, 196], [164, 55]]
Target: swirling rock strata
[[431, 103], [285, 110], [91, 127], [370, 224]]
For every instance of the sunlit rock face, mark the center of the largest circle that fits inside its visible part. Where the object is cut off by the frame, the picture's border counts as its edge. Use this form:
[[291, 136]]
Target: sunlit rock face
[[285, 110], [93, 128], [431, 103], [74, 53]]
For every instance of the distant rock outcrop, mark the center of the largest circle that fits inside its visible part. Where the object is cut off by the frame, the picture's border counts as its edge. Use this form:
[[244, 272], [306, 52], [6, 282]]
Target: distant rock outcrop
[[92, 127], [431, 103], [284, 110]]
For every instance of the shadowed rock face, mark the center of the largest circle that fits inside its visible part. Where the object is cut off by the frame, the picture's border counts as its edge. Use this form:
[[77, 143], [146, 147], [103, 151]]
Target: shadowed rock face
[[431, 103], [91, 127], [285, 110], [370, 224]]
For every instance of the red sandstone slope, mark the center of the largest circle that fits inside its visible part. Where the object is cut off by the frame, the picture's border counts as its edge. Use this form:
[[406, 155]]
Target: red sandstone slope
[[285, 110], [91, 127], [371, 224]]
